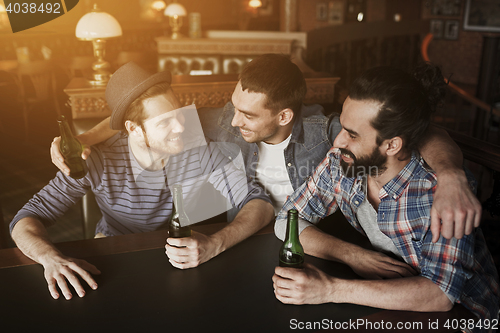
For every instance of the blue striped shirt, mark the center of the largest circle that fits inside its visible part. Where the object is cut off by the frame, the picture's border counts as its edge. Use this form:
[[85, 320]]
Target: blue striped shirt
[[134, 200]]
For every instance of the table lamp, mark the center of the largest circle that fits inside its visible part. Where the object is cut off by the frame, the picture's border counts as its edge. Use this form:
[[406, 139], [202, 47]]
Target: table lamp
[[175, 12], [97, 26]]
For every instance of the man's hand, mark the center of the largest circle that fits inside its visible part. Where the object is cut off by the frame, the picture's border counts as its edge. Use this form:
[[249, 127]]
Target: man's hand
[[303, 286], [58, 158], [191, 251], [59, 270], [455, 210], [374, 265]]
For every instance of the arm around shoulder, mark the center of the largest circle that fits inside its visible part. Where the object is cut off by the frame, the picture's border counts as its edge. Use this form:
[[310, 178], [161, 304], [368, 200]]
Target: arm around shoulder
[[95, 135], [456, 210]]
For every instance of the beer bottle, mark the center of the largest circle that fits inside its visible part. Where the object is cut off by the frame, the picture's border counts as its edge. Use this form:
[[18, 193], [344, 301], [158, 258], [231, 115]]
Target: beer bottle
[[179, 221], [291, 252], [71, 149]]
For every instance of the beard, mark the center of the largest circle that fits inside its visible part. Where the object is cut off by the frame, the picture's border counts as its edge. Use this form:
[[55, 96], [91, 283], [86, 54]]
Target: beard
[[164, 149], [372, 165], [161, 150]]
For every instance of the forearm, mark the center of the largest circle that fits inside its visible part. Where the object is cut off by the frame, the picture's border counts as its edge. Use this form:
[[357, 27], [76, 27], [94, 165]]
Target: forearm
[[255, 215], [410, 294], [441, 152], [97, 134], [32, 239], [322, 245]]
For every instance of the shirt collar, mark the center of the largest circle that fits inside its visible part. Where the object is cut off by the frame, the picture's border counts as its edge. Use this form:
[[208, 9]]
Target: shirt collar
[[298, 130], [396, 186]]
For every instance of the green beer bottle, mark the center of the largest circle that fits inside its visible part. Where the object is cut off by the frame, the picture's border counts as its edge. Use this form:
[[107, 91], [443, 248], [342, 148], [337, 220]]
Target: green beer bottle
[[179, 216], [291, 252], [71, 149]]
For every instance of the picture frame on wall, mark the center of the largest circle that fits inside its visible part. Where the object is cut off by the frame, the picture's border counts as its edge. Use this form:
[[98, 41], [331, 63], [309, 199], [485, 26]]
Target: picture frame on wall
[[451, 28], [436, 28], [335, 12], [482, 15], [446, 7], [321, 11]]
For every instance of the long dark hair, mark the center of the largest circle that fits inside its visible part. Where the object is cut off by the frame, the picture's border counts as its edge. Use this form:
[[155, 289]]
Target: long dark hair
[[407, 101]]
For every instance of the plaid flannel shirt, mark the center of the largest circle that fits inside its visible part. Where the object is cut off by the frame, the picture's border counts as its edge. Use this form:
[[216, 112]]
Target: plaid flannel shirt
[[462, 268]]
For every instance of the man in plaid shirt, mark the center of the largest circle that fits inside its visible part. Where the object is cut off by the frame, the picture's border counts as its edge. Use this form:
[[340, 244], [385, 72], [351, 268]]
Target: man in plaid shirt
[[385, 190]]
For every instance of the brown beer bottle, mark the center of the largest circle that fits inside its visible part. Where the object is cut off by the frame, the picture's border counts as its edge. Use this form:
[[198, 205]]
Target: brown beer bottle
[[291, 252], [178, 225], [71, 149]]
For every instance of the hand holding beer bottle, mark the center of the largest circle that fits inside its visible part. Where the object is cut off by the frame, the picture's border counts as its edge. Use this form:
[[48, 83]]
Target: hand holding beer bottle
[[291, 252], [71, 149]]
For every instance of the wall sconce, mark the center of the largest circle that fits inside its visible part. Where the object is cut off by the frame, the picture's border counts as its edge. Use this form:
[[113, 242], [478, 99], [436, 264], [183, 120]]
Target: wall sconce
[[158, 8], [255, 3], [97, 26], [175, 12], [159, 5]]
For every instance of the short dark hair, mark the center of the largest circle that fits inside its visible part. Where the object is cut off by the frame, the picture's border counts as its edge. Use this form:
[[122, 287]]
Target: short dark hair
[[276, 76], [135, 111], [406, 101]]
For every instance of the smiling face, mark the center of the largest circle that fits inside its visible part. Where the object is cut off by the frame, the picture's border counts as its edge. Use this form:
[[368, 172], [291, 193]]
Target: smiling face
[[255, 121], [164, 125], [357, 140]]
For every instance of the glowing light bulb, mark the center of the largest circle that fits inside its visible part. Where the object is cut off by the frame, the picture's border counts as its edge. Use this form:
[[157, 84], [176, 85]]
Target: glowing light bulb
[[159, 5], [255, 3]]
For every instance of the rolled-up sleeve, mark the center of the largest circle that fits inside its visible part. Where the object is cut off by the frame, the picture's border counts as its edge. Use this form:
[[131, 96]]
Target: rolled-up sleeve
[[448, 263]]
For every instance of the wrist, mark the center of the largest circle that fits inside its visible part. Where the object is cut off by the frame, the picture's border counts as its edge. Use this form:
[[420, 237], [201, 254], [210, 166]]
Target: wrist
[[335, 289], [218, 244], [48, 257], [452, 175]]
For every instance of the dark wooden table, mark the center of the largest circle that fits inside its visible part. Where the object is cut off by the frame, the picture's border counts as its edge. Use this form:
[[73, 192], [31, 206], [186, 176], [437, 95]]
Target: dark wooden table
[[139, 291]]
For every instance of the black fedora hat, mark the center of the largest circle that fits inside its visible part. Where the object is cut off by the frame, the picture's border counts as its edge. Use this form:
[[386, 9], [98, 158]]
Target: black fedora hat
[[126, 84]]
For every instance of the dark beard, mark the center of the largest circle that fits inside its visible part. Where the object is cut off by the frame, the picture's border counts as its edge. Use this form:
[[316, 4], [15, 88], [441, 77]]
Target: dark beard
[[372, 165]]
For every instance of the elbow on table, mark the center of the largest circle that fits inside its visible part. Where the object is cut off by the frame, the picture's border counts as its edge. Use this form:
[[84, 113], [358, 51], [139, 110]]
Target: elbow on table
[[446, 305], [442, 304]]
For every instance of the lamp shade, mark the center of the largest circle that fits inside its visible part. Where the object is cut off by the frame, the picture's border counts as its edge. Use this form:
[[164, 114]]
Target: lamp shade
[[175, 9], [97, 24]]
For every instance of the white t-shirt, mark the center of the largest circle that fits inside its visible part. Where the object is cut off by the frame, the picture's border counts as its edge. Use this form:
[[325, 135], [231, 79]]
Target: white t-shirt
[[367, 218], [272, 173]]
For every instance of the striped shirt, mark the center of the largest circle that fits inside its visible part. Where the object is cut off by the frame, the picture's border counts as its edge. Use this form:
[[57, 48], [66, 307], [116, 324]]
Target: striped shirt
[[462, 268], [134, 200]]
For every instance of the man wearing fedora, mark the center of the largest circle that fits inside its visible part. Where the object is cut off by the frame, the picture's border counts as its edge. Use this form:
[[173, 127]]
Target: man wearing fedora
[[282, 142], [130, 175]]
